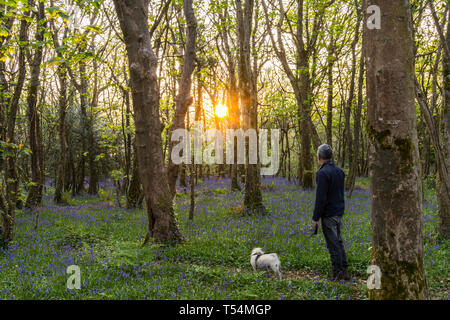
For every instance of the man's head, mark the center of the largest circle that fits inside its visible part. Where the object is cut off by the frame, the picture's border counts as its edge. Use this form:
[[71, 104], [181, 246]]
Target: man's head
[[324, 153]]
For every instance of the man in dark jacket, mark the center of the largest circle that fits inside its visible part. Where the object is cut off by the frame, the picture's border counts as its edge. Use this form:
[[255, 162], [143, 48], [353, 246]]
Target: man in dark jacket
[[330, 207]]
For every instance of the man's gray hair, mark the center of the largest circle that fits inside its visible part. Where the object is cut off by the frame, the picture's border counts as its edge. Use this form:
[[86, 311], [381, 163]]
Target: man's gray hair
[[325, 152]]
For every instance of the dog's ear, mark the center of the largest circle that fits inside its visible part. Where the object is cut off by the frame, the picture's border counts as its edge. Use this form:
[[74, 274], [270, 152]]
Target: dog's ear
[[257, 250]]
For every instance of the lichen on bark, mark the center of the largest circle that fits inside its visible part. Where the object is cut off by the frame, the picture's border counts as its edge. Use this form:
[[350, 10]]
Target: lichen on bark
[[397, 225], [412, 272]]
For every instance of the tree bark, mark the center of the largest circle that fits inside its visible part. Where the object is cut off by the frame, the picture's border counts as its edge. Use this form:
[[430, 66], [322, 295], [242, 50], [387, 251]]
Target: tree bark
[[62, 110], [8, 202], [443, 186], [397, 225], [133, 18], [134, 191], [92, 141], [4, 85], [191, 168], [60, 179], [127, 138], [354, 161], [247, 87], [329, 128], [348, 106], [184, 98], [34, 197], [84, 124], [197, 117]]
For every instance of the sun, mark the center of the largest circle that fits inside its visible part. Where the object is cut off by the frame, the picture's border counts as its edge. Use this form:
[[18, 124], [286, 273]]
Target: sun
[[221, 110]]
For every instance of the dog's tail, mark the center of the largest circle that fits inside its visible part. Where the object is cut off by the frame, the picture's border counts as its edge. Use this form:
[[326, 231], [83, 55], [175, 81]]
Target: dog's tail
[[277, 266]]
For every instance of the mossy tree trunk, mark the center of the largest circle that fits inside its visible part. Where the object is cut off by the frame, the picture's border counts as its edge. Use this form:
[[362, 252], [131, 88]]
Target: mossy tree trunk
[[34, 197], [353, 140], [397, 224], [443, 186], [355, 159], [82, 89], [247, 87], [329, 127], [9, 200], [61, 181], [182, 172], [133, 18], [135, 195], [62, 109], [92, 140], [184, 98]]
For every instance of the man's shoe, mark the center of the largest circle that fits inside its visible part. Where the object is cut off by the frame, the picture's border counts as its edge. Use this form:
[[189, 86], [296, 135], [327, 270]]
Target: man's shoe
[[344, 275]]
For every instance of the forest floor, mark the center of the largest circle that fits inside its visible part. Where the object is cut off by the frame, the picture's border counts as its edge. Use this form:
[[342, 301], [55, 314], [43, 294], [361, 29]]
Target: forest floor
[[213, 262]]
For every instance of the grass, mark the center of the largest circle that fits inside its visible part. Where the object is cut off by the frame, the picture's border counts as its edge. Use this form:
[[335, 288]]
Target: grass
[[213, 262]]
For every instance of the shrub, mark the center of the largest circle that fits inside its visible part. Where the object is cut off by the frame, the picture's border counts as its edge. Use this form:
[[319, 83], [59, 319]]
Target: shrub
[[65, 197], [106, 195]]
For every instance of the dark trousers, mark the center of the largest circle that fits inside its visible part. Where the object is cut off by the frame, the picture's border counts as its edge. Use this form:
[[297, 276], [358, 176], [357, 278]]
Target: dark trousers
[[331, 227]]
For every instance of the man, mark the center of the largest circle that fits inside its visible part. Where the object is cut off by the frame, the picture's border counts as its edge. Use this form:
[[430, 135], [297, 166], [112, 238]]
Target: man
[[330, 207]]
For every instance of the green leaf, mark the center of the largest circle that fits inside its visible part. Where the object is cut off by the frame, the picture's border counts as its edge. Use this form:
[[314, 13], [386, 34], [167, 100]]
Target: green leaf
[[62, 48], [63, 15], [95, 29], [54, 61], [3, 32]]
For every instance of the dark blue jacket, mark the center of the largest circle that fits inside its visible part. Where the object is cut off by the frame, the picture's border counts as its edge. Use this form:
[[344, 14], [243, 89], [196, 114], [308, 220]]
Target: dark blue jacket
[[330, 191]]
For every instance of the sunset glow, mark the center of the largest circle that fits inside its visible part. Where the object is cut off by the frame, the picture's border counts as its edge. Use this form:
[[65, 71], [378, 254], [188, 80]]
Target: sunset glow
[[221, 110]]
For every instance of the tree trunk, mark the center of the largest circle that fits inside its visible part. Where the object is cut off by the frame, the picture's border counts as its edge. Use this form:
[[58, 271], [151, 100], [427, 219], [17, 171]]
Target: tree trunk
[[329, 128], [348, 108], [8, 203], [84, 124], [134, 191], [184, 98], [62, 135], [34, 197], [4, 85], [397, 225], [443, 186], [133, 18], [127, 139], [191, 168], [306, 178], [182, 174], [92, 148], [252, 195], [354, 161], [61, 181], [197, 117], [235, 124], [288, 154], [340, 140]]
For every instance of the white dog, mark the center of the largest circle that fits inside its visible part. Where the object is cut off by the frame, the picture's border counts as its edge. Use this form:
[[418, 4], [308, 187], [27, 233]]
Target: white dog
[[259, 259]]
